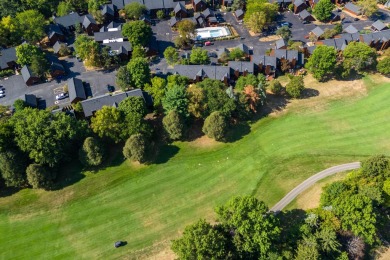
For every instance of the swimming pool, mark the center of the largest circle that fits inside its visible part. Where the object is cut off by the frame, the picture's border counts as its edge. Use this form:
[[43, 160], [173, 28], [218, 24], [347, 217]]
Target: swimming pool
[[211, 32]]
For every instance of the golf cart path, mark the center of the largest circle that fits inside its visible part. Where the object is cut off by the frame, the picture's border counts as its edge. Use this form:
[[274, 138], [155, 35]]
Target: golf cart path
[[310, 181]]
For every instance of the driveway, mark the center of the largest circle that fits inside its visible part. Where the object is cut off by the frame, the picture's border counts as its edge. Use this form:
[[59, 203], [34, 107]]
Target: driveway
[[310, 181]]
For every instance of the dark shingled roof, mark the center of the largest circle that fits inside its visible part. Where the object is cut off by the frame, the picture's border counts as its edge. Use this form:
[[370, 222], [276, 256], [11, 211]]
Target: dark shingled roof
[[317, 31], [119, 47], [351, 29], [109, 35], [243, 47], [87, 20], [352, 7], [113, 26], [56, 66], [26, 73], [108, 9], [379, 25], [280, 44], [212, 72], [31, 100], [76, 89], [7, 55], [68, 20], [53, 29], [299, 2], [239, 12], [242, 66], [150, 4], [94, 104], [207, 13], [179, 7], [304, 14], [264, 60]]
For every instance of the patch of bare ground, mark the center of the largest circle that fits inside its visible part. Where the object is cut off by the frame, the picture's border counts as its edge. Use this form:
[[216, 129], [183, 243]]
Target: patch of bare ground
[[159, 251], [204, 142], [269, 38], [317, 94], [383, 253]]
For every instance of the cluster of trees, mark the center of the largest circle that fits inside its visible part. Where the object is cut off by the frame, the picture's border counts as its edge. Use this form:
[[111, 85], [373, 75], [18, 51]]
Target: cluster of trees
[[34, 143], [259, 13], [93, 53], [357, 57], [349, 222], [323, 10], [33, 56], [294, 88], [186, 30], [134, 75]]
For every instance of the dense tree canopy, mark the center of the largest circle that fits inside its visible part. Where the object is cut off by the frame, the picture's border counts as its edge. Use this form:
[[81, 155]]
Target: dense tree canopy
[[134, 10], [92, 152], [199, 56], [284, 32], [26, 52], [215, 125], [358, 56], [322, 62], [171, 55], [176, 99], [174, 125], [87, 49], [295, 87], [135, 148], [157, 89], [384, 66], [109, 122], [139, 72], [323, 10], [137, 32], [123, 78], [39, 176], [368, 7], [31, 25], [13, 165], [244, 81], [133, 105]]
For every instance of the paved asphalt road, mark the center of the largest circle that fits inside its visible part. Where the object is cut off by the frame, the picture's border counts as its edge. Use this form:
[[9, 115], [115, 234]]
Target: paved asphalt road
[[310, 181]]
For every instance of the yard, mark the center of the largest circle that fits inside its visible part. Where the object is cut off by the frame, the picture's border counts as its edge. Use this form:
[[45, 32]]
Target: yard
[[147, 206]]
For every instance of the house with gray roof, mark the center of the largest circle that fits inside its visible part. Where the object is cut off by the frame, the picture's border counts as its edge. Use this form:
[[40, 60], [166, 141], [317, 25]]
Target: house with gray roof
[[207, 13], [244, 48], [108, 12], [89, 24], [280, 44], [76, 90], [350, 29], [31, 100], [121, 49], [174, 21], [57, 69], [378, 26], [180, 10], [299, 6], [151, 5], [241, 68], [294, 58], [68, 22], [304, 15], [113, 26], [8, 59], [109, 36], [54, 34], [378, 40], [91, 105], [28, 76], [318, 32], [352, 8], [265, 64], [239, 14], [199, 5], [198, 73]]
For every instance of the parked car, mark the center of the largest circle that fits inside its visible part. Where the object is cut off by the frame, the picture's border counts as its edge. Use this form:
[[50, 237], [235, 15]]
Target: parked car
[[1, 91], [2, 95], [62, 96], [285, 24], [119, 244], [212, 55], [356, 19], [208, 43]]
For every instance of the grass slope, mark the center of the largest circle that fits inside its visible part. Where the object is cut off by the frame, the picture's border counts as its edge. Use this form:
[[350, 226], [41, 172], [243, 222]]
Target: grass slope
[[145, 205]]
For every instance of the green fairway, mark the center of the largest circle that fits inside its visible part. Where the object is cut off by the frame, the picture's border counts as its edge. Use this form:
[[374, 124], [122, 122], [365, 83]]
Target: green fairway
[[149, 205]]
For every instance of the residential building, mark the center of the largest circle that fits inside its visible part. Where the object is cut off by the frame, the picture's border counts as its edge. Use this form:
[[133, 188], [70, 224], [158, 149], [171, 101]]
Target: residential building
[[8, 59], [76, 90], [28, 76], [352, 8]]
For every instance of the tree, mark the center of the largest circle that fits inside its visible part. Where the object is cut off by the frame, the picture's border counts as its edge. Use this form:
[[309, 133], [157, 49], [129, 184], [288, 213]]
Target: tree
[[327, 238], [186, 28], [31, 25], [123, 78], [26, 52], [160, 14], [215, 125], [171, 55], [236, 54], [196, 98], [13, 165], [138, 52], [139, 71], [176, 99], [323, 10], [109, 122], [134, 10], [92, 152], [375, 167], [357, 214], [94, 5], [9, 33], [275, 87], [201, 241], [178, 80], [243, 81], [322, 62], [87, 49], [156, 89], [384, 66], [135, 148], [368, 7], [64, 8], [359, 56], [295, 87], [174, 125], [284, 32], [238, 4], [181, 42], [356, 248], [199, 56], [137, 32], [106, 59], [332, 191], [131, 105], [46, 137], [308, 249], [39, 65], [256, 22], [252, 98], [255, 230], [39, 177], [64, 50], [19, 105]]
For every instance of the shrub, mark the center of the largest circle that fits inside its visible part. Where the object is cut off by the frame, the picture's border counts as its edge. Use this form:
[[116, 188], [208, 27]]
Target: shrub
[[135, 148], [295, 87], [39, 177], [275, 87], [174, 125], [92, 152], [215, 125]]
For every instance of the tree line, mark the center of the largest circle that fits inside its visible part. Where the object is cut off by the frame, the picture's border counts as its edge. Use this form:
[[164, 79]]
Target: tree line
[[350, 223]]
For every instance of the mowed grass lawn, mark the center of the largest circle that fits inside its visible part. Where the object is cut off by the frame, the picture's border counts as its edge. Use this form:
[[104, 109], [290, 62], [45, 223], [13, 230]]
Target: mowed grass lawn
[[147, 206]]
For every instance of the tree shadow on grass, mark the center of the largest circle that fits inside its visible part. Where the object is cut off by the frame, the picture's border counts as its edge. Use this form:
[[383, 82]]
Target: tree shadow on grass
[[165, 153], [237, 132], [309, 93], [8, 191]]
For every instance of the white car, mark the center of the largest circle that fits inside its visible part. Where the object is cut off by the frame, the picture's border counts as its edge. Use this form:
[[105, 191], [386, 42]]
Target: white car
[[62, 96], [2, 95], [1, 91]]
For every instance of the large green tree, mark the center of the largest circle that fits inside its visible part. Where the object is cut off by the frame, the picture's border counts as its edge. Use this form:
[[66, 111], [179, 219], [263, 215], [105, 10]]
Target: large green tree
[[25, 53], [171, 55], [284, 32], [176, 99], [215, 126], [13, 165], [123, 78], [31, 25], [39, 176], [109, 122], [201, 241], [139, 71], [156, 88], [46, 137], [295, 87], [134, 10], [368, 7], [174, 125], [358, 56], [244, 81], [255, 230], [236, 54], [135, 148], [39, 65], [322, 62], [323, 10], [131, 105], [9, 33], [384, 66], [137, 32], [199, 56]]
